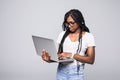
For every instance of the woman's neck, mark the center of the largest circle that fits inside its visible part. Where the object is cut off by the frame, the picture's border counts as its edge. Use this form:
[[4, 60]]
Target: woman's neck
[[78, 31]]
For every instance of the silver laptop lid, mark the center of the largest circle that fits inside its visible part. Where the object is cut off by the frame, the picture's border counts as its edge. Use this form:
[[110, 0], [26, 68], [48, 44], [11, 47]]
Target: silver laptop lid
[[41, 43]]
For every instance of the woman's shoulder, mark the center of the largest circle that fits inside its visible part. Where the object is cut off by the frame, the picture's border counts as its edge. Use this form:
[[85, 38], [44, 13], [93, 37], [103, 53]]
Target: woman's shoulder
[[61, 33], [89, 37], [88, 34], [60, 36]]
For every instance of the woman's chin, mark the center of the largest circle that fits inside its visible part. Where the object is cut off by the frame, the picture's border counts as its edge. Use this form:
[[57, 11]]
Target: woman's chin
[[72, 31]]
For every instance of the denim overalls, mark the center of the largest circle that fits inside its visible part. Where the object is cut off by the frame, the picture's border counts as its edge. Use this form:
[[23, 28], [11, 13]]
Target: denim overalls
[[70, 72]]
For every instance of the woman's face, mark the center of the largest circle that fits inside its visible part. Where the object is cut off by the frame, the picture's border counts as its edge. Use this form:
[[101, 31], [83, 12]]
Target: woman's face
[[72, 25]]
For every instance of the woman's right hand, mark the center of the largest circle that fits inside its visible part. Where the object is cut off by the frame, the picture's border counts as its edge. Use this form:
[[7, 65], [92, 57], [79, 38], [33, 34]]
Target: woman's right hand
[[45, 56]]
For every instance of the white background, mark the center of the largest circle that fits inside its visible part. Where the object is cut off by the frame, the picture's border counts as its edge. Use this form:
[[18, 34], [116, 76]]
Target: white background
[[19, 19]]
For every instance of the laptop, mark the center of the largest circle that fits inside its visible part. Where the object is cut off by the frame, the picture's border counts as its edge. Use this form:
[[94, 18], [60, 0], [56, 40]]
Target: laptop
[[41, 43]]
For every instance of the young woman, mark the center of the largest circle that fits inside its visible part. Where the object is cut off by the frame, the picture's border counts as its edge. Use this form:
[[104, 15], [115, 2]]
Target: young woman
[[75, 41]]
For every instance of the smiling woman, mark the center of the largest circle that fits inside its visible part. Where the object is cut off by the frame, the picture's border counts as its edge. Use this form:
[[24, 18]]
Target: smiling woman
[[74, 42]]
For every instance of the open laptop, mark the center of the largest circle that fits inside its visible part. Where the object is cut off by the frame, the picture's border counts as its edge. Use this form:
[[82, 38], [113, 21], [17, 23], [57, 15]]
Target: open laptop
[[41, 43]]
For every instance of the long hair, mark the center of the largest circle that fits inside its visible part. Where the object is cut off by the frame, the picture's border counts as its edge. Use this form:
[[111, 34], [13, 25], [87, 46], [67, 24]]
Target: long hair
[[79, 19]]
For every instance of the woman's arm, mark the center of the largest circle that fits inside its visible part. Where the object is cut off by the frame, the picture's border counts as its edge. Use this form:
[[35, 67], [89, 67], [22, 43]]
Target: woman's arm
[[87, 59], [84, 59]]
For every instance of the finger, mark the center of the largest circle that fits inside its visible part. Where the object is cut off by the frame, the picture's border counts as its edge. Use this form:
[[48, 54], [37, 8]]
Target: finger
[[44, 52], [62, 55]]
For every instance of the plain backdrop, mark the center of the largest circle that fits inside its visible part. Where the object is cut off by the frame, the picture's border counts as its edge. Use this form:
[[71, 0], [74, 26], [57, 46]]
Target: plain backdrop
[[19, 19]]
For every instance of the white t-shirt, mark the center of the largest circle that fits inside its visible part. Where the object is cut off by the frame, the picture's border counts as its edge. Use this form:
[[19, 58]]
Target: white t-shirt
[[69, 46]]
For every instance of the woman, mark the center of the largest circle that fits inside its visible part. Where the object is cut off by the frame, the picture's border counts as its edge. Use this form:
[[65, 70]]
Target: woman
[[74, 42]]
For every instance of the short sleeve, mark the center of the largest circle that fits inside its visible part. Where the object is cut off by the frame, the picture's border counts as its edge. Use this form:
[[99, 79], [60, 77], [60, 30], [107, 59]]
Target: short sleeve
[[91, 40], [60, 37]]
